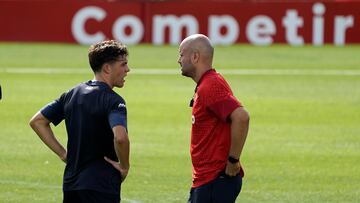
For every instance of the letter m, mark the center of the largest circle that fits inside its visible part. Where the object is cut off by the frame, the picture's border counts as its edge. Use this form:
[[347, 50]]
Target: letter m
[[175, 25]]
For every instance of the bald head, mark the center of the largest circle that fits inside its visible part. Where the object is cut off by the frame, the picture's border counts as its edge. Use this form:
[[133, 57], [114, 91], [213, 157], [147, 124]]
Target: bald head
[[195, 56], [201, 44]]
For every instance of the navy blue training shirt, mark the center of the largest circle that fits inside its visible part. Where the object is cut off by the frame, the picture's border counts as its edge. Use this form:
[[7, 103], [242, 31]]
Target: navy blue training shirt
[[90, 111]]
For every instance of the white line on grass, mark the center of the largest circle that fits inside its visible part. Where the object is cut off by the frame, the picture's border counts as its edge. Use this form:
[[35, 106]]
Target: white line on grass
[[47, 186], [29, 184], [143, 71], [129, 200]]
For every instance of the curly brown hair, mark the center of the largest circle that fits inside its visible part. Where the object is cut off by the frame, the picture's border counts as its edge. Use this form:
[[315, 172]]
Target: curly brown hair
[[105, 52]]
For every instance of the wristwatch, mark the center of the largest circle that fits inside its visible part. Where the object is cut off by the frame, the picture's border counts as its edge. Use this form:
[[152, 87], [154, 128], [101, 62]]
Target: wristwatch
[[232, 160]]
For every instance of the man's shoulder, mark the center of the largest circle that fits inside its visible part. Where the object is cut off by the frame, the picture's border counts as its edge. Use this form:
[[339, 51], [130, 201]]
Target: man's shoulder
[[77, 87], [114, 95], [112, 98], [91, 90], [214, 88], [68, 93], [214, 80]]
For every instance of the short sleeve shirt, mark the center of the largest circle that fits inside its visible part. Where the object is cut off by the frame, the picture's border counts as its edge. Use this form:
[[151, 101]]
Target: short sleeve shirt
[[210, 133], [90, 110]]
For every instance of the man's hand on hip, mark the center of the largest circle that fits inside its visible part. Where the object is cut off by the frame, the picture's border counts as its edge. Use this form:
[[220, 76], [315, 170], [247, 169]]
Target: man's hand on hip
[[117, 165], [232, 169]]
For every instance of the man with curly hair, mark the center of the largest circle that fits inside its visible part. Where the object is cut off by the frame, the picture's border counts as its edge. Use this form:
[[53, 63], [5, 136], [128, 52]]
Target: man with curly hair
[[97, 152]]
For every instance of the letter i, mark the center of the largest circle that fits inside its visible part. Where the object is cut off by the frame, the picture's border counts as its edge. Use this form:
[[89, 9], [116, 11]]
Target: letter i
[[318, 24]]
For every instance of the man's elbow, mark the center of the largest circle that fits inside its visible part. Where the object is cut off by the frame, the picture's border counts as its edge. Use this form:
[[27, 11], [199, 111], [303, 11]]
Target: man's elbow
[[37, 121], [121, 139], [242, 117], [245, 117], [33, 122]]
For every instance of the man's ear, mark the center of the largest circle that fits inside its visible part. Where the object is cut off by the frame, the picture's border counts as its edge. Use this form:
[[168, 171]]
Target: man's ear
[[106, 68], [195, 56]]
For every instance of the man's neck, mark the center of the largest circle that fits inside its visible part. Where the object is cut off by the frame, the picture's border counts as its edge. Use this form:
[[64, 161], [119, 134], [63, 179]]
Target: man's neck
[[101, 78], [200, 73]]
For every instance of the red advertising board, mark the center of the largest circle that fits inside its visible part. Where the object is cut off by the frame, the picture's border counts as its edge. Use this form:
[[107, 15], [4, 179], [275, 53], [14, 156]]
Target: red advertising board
[[133, 22]]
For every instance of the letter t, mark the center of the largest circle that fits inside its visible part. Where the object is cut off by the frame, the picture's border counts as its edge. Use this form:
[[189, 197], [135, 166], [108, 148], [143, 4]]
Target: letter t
[[291, 22]]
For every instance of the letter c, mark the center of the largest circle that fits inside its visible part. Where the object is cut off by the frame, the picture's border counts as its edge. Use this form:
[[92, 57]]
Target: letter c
[[78, 25]]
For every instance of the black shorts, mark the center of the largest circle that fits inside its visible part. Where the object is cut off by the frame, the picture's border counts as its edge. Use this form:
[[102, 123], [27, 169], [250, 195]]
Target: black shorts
[[224, 189], [89, 196]]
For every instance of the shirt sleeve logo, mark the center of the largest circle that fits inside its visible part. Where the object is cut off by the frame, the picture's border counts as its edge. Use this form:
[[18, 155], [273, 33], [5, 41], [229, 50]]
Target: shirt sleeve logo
[[193, 119], [121, 105]]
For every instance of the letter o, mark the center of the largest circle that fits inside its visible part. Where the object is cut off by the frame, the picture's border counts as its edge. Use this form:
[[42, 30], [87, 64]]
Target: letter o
[[137, 29]]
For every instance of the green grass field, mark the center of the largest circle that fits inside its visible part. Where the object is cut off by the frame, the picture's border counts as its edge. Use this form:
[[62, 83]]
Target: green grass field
[[304, 138]]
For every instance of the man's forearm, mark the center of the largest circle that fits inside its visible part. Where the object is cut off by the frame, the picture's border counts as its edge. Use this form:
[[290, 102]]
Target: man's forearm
[[122, 146], [122, 149], [42, 128], [239, 131], [238, 137]]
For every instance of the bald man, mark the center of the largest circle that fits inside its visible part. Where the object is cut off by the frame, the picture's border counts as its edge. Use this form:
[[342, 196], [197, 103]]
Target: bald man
[[219, 126]]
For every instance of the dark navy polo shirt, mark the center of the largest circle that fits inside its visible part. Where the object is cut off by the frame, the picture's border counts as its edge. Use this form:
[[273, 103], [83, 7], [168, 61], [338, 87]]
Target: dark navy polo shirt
[[90, 111]]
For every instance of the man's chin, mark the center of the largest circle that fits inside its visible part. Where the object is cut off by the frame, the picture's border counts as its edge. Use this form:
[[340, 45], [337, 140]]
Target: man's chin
[[120, 85], [184, 73]]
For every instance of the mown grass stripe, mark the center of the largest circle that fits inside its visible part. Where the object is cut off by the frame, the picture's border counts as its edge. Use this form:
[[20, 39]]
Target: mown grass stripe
[[141, 71]]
